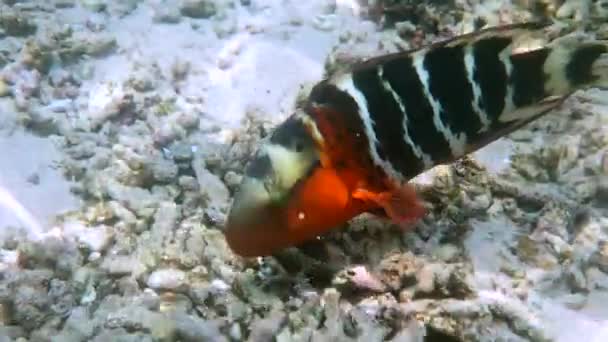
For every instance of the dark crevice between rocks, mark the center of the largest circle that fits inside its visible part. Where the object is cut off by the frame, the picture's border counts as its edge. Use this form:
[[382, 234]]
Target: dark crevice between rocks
[[435, 335]]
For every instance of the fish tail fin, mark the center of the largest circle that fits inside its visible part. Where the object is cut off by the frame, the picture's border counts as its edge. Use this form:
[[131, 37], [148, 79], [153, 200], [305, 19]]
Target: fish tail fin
[[543, 77], [575, 63]]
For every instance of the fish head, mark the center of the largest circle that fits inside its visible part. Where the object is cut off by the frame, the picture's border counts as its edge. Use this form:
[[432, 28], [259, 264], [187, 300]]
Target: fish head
[[257, 219], [290, 193]]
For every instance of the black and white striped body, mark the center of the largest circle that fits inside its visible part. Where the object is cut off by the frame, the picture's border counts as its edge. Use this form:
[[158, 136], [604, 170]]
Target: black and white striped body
[[434, 105]]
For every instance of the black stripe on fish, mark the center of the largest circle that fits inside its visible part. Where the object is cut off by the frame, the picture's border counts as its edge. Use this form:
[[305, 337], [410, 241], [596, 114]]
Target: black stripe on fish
[[403, 79], [528, 77], [578, 69], [491, 74], [387, 122], [449, 85], [259, 167], [329, 95]]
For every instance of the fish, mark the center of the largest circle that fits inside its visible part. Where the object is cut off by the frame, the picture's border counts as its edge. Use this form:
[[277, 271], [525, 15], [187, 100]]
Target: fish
[[363, 132]]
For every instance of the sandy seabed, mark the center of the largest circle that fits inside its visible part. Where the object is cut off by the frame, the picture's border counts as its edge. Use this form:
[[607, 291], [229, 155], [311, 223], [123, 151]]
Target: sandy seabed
[[124, 129]]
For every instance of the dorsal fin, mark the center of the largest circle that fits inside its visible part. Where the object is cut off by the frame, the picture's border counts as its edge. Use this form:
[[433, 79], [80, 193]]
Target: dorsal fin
[[520, 33]]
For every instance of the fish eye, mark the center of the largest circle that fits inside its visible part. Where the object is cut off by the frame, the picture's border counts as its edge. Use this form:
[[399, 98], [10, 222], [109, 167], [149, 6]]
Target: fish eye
[[299, 146]]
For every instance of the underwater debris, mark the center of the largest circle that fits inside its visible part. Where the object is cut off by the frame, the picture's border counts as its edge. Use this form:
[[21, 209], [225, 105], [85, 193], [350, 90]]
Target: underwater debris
[[16, 23], [200, 8], [583, 10]]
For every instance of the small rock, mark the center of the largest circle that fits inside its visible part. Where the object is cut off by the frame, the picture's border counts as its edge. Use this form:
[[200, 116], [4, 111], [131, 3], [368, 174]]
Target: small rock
[[398, 270], [93, 257], [138, 200], [235, 332], [182, 152], [80, 322], [100, 45], [198, 8], [174, 302], [166, 133], [96, 23], [406, 295], [16, 24], [601, 193], [142, 82], [65, 3], [121, 265], [166, 14], [227, 26], [446, 252], [150, 300], [124, 8], [9, 333], [84, 150], [5, 89], [44, 122], [193, 329], [94, 5], [166, 219], [212, 186], [124, 214], [324, 22], [199, 292], [188, 183], [574, 301], [60, 106], [265, 329], [128, 286], [5, 313], [600, 257], [596, 279], [580, 220], [219, 285], [405, 28], [232, 179], [604, 164], [137, 318], [168, 279], [425, 278], [179, 70], [164, 171], [188, 120], [359, 278], [33, 179], [576, 279], [28, 302], [105, 103], [97, 238]]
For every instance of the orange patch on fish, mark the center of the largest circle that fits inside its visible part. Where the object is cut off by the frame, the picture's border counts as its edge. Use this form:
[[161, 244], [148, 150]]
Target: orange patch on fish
[[322, 202]]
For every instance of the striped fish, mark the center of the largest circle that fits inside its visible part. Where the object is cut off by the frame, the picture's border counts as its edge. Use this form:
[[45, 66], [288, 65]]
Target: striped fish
[[362, 134]]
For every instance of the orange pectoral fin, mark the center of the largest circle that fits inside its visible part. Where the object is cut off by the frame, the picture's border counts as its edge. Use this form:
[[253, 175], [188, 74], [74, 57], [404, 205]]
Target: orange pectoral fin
[[401, 205]]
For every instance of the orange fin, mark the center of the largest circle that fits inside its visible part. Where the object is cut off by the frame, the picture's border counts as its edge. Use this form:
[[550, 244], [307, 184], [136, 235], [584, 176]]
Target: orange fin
[[401, 205]]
